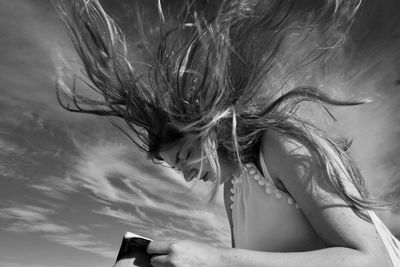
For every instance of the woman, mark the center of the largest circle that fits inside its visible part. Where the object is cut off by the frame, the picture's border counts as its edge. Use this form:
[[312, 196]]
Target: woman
[[220, 101]]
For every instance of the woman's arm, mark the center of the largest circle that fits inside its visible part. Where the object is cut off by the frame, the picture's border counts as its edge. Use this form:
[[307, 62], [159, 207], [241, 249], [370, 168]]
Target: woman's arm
[[335, 256], [350, 238], [188, 253]]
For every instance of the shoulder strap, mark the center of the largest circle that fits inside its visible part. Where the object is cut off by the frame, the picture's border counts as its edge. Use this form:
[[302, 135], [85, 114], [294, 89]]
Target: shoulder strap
[[391, 243], [264, 169]]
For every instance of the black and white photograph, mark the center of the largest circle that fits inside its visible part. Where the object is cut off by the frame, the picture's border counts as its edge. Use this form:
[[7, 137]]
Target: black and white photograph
[[179, 133]]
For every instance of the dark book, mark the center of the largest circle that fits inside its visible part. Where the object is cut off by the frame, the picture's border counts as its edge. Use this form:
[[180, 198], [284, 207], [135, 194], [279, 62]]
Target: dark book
[[133, 251]]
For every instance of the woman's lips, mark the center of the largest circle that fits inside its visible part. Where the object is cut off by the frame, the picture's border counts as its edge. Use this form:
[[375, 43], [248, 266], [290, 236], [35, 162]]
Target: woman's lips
[[192, 174]]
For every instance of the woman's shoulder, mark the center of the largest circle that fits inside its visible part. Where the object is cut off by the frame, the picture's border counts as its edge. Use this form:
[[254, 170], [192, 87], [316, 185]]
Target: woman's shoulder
[[278, 148], [288, 161]]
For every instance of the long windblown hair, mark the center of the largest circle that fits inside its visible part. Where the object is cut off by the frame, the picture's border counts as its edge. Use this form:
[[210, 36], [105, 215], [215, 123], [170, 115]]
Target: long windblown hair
[[220, 75]]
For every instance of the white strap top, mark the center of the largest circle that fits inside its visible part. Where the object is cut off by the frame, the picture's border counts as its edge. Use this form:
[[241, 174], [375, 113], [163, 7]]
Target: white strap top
[[267, 219], [391, 243]]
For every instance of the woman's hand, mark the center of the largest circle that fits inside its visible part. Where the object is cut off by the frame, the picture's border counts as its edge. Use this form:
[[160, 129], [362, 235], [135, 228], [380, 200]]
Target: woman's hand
[[182, 253]]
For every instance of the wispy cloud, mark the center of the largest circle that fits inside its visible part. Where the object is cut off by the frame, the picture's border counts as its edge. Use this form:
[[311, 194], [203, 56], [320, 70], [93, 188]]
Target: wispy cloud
[[102, 164], [123, 216], [37, 227], [27, 212], [84, 242], [33, 219], [56, 187], [14, 264], [29, 40], [7, 147], [9, 154]]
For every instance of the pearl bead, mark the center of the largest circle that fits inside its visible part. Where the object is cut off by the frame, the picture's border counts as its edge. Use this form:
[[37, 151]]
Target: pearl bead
[[278, 195], [252, 171], [232, 190], [290, 201], [297, 206], [268, 190], [248, 165], [232, 206], [261, 182], [257, 177], [232, 198]]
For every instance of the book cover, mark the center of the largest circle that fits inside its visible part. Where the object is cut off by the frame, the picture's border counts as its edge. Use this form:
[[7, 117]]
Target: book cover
[[133, 251]]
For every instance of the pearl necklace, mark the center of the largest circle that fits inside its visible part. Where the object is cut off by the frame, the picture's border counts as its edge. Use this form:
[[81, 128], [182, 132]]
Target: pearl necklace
[[267, 185]]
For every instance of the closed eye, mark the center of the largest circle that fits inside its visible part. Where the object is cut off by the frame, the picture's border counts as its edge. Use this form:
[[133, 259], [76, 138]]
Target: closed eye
[[188, 154], [179, 160]]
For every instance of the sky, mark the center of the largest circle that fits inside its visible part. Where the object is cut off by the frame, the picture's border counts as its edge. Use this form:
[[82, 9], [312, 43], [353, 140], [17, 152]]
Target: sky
[[71, 185]]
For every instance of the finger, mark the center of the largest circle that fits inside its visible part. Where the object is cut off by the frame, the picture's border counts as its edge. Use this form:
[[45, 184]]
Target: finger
[[159, 261], [158, 247]]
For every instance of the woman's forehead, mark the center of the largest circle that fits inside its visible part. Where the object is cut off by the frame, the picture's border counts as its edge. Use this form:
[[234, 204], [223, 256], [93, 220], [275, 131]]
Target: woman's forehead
[[181, 143]]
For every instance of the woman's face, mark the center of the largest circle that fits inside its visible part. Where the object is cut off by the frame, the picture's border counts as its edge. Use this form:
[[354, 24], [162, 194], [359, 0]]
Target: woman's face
[[187, 158]]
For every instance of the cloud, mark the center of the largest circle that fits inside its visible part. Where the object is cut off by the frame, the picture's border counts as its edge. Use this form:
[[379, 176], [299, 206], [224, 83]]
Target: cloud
[[14, 264], [100, 165], [84, 242], [56, 187], [28, 38], [7, 147], [38, 227], [33, 219], [10, 153], [27, 213], [123, 216]]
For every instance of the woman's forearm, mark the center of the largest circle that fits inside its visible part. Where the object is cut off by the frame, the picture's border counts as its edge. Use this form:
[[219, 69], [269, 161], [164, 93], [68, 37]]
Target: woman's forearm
[[328, 257]]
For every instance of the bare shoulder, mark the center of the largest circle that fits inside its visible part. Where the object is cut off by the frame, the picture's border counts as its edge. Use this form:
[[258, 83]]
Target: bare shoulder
[[299, 167], [282, 145], [281, 151], [299, 170]]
